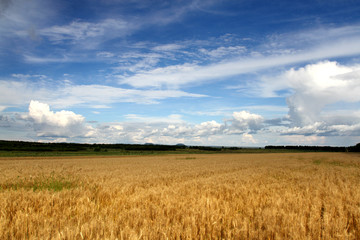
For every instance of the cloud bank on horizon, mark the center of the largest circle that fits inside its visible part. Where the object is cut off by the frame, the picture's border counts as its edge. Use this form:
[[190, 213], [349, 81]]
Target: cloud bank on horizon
[[248, 73]]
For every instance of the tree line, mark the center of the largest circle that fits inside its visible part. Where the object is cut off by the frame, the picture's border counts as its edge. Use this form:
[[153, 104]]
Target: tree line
[[355, 148], [76, 147]]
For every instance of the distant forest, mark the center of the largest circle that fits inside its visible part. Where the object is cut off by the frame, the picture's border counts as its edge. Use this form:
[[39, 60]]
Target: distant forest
[[75, 147], [355, 148]]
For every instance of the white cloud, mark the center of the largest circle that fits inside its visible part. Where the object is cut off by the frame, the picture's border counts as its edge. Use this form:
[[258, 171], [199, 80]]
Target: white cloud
[[316, 128], [20, 17], [248, 138], [185, 74], [52, 59], [222, 51], [100, 94], [208, 128], [42, 124], [315, 87], [33, 19], [318, 85], [306, 140], [171, 76], [78, 31], [167, 47], [311, 89], [51, 125], [105, 54], [317, 95], [67, 95], [345, 130], [174, 118], [100, 106], [241, 130], [10, 92], [272, 110], [313, 37], [172, 129], [241, 123], [65, 124], [40, 113], [244, 121], [141, 57], [175, 11], [324, 129]]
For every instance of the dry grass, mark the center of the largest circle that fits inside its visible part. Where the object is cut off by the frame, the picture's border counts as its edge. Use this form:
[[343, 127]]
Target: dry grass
[[255, 196]]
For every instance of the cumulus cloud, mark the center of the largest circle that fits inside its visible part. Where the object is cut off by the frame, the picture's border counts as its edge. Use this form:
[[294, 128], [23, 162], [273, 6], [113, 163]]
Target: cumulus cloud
[[172, 130], [243, 128], [316, 95], [241, 123], [184, 130], [244, 121], [248, 138], [318, 85], [40, 113], [56, 124], [208, 128]]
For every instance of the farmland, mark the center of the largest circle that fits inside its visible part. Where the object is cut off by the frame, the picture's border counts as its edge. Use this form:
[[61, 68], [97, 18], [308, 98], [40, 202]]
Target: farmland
[[184, 196]]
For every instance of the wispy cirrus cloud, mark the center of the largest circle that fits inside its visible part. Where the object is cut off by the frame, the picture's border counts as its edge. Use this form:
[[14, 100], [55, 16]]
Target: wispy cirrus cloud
[[51, 59], [224, 51], [168, 47], [189, 73], [81, 32], [67, 95], [39, 20], [324, 129]]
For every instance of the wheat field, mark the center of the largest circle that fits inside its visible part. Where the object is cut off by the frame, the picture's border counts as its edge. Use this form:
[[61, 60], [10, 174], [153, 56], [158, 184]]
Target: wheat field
[[219, 196]]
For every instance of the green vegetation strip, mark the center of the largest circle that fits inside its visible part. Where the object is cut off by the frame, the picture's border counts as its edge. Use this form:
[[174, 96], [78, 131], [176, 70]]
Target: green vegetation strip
[[22, 149], [51, 183]]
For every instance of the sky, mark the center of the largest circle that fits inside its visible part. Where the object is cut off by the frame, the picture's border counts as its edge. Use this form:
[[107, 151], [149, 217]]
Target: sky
[[245, 73]]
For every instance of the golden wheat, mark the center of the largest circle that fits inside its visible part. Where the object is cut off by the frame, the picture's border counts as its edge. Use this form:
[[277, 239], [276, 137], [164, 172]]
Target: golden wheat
[[229, 196]]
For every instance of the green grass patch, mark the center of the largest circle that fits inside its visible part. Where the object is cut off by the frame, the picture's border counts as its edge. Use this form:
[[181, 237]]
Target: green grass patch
[[102, 151], [317, 162], [343, 164], [337, 163], [333, 163], [186, 158], [50, 182]]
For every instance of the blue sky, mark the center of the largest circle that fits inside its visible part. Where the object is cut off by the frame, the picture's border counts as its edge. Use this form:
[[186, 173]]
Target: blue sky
[[227, 73]]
